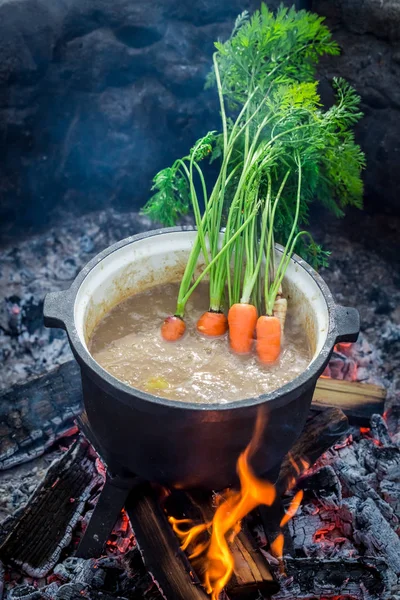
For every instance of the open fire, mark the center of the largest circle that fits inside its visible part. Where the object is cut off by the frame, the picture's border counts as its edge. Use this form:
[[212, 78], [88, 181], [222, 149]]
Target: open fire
[[214, 555], [337, 536]]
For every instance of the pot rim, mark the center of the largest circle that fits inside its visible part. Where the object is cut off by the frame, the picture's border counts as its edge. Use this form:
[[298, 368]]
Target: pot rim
[[65, 309]]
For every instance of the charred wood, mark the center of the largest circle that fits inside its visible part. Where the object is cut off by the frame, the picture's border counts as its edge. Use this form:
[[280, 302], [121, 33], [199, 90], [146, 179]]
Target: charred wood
[[310, 578], [379, 430], [36, 414], [251, 574], [159, 547], [324, 484], [384, 461], [392, 417], [373, 531], [319, 434], [359, 486], [390, 491], [46, 524]]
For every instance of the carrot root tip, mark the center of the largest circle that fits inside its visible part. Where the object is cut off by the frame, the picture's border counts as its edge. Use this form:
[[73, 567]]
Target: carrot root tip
[[212, 324], [173, 328]]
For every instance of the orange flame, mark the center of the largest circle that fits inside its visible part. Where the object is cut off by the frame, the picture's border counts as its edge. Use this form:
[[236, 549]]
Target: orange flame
[[293, 508], [215, 554], [277, 546]]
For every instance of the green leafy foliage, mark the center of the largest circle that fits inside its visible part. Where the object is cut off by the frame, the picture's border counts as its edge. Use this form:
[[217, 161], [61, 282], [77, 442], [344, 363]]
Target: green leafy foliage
[[279, 151], [171, 200], [268, 49]]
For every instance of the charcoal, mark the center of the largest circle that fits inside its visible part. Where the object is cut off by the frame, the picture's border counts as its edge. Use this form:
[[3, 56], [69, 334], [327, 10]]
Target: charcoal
[[325, 485], [359, 486], [64, 492], [2, 574], [384, 461], [73, 591], [79, 591], [375, 533], [379, 430], [80, 570], [34, 415], [310, 578], [302, 530], [25, 592], [392, 417], [390, 491]]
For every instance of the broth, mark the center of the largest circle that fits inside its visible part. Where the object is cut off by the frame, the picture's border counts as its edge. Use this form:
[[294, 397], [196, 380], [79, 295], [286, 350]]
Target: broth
[[127, 343]]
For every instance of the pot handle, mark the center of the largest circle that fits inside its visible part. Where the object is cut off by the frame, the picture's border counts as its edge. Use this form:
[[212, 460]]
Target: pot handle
[[53, 310], [347, 324]]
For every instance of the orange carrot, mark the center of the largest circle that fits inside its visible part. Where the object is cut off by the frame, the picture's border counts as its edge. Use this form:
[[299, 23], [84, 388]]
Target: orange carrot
[[212, 323], [242, 319], [173, 328], [268, 339]]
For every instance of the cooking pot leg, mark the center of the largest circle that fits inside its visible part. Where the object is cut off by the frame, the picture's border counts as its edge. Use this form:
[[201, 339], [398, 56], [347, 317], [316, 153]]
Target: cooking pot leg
[[106, 512]]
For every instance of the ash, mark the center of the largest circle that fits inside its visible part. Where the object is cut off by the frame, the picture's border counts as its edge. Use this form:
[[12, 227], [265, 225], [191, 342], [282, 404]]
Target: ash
[[44, 263], [364, 272]]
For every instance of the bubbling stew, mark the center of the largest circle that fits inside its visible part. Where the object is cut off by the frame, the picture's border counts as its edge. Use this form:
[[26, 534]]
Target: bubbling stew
[[127, 343]]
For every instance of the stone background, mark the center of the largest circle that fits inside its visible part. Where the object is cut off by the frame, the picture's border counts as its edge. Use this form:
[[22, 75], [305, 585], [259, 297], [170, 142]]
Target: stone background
[[97, 95]]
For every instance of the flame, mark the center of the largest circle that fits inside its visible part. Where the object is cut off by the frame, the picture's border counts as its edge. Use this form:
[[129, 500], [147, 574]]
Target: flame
[[294, 464], [214, 553], [277, 546], [297, 469], [293, 508]]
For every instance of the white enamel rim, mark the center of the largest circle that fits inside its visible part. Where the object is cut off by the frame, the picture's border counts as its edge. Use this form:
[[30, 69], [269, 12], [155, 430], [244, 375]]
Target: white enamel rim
[[133, 261]]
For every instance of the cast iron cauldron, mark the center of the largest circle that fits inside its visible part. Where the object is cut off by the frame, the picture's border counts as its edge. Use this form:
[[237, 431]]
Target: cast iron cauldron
[[181, 443]]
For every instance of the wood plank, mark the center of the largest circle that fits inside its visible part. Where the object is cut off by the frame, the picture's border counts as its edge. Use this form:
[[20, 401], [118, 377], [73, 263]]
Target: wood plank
[[359, 401], [251, 575], [365, 392], [159, 547]]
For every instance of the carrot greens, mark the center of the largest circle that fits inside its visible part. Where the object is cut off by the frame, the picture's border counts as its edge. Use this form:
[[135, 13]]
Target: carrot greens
[[278, 149]]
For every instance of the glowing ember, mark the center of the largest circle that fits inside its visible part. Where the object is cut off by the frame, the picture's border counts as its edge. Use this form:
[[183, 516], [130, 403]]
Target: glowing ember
[[121, 539], [214, 553], [366, 432]]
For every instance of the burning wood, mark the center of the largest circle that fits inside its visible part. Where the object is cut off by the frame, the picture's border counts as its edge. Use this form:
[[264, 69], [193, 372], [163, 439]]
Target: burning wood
[[53, 513], [159, 547], [214, 554]]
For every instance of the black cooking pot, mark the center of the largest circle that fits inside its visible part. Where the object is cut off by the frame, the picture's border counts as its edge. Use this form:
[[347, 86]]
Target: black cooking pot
[[180, 443]]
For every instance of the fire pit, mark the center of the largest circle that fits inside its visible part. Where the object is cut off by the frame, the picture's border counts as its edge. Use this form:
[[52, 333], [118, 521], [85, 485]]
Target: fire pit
[[341, 542], [112, 493]]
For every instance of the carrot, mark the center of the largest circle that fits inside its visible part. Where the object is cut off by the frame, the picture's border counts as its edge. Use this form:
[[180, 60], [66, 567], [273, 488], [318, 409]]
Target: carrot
[[268, 339], [242, 319], [212, 323], [173, 328]]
